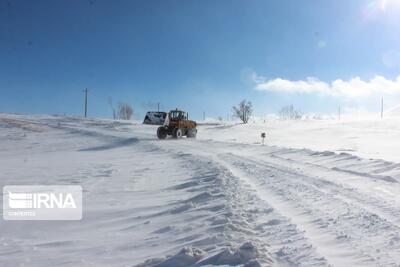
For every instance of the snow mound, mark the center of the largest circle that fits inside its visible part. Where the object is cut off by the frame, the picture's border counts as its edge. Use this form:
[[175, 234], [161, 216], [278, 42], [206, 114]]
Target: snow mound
[[242, 255], [246, 255], [186, 257]]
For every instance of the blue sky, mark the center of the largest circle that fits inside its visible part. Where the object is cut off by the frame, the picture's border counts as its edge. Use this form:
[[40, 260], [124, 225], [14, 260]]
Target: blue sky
[[198, 55]]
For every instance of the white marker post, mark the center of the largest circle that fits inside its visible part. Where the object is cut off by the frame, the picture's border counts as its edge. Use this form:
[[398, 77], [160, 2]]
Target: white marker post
[[263, 138]]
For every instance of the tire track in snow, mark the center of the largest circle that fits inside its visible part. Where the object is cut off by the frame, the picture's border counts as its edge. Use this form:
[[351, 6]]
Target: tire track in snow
[[322, 214], [356, 194], [362, 231], [323, 242]]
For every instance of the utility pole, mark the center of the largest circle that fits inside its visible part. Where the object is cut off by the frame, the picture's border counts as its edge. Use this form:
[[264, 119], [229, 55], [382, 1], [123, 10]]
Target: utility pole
[[86, 101], [339, 112], [158, 106], [204, 115], [382, 109]]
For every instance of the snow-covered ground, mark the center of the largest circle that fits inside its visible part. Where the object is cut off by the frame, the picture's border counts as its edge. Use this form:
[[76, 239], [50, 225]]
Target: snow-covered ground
[[318, 193], [368, 138]]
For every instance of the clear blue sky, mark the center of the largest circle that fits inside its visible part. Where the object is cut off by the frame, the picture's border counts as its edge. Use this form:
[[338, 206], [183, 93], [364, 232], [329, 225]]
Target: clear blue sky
[[196, 55]]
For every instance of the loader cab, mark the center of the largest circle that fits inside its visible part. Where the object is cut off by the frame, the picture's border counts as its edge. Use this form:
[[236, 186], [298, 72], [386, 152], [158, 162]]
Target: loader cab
[[178, 115]]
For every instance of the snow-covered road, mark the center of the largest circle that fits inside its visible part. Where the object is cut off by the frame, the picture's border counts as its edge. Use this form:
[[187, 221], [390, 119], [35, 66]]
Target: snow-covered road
[[342, 216], [145, 199]]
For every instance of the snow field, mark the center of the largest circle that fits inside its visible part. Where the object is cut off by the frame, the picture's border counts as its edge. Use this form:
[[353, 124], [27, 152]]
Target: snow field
[[320, 193]]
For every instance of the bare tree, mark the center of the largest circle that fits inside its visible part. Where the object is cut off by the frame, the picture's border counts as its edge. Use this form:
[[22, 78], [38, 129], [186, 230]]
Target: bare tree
[[243, 111], [124, 112], [290, 113]]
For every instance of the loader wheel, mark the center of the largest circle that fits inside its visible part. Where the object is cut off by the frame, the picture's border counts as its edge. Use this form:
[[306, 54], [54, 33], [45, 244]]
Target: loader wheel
[[161, 132], [192, 133], [177, 133]]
